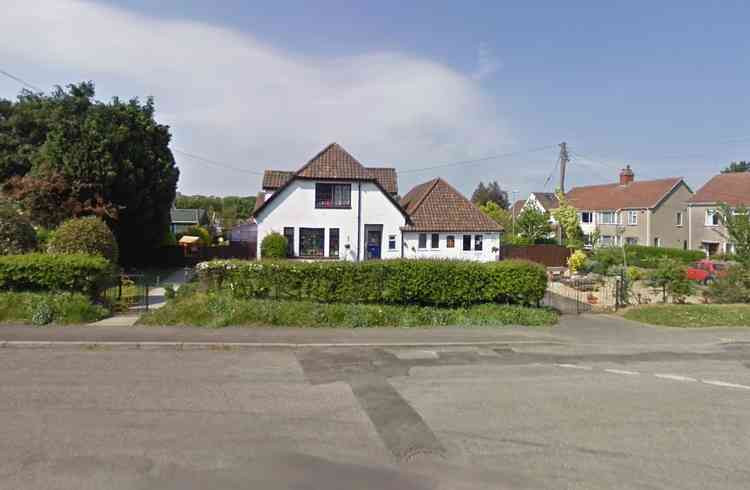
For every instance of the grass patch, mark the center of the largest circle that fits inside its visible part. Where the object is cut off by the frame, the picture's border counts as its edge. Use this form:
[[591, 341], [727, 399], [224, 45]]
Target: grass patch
[[43, 308], [221, 310], [692, 315]]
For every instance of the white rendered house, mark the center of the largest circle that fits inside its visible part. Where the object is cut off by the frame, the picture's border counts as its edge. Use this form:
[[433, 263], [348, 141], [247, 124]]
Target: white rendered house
[[336, 208]]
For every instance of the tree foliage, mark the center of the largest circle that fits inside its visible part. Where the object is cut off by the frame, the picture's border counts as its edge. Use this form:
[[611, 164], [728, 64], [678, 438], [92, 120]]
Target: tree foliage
[[231, 209], [67, 155], [533, 224], [88, 235], [567, 217], [17, 236], [498, 214], [741, 166], [737, 224], [490, 193], [670, 276]]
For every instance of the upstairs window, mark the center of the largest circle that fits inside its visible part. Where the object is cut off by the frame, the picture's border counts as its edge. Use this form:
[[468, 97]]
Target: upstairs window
[[679, 218], [632, 218], [587, 217], [435, 241], [712, 217], [608, 218], [333, 196]]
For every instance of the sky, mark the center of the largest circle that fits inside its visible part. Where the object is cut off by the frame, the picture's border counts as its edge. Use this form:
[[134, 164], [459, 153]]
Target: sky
[[662, 86]]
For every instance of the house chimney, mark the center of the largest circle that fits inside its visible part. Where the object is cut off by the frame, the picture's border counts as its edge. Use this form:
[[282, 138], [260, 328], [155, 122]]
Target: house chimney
[[626, 175]]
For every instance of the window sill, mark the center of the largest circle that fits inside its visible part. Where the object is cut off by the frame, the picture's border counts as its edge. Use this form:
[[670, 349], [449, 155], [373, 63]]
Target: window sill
[[332, 207]]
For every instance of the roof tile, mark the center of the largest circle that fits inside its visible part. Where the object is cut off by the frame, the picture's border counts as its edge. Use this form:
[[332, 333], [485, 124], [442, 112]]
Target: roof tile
[[638, 194], [730, 188]]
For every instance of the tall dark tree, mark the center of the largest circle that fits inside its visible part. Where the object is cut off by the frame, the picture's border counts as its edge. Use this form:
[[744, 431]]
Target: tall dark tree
[[106, 158], [741, 166], [490, 193]]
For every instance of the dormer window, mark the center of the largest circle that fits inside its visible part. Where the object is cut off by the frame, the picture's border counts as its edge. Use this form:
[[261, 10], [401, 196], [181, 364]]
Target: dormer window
[[333, 196]]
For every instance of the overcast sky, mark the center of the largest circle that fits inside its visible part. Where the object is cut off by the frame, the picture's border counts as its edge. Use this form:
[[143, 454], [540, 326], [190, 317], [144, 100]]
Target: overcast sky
[[254, 85]]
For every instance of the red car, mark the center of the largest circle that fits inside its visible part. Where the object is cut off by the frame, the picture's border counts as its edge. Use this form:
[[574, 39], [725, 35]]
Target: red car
[[706, 271]]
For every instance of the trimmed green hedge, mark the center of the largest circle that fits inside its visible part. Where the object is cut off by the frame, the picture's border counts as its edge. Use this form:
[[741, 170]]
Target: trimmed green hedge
[[80, 273], [417, 282], [642, 256]]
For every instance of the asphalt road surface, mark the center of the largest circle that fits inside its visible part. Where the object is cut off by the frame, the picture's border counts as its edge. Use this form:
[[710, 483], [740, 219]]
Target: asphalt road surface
[[508, 416]]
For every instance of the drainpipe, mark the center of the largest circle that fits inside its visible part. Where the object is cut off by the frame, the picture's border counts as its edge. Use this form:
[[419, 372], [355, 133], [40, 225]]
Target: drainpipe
[[359, 218]]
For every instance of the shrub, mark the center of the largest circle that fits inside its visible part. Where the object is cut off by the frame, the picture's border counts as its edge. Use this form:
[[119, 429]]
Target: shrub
[[169, 292], [635, 274], [671, 277], [201, 233], [45, 308], [422, 282], [732, 288], [576, 260], [16, 233], [273, 246], [642, 256], [81, 273], [88, 235]]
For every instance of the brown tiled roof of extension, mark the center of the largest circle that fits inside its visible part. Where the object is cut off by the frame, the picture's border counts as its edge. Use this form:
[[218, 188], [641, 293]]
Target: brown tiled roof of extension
[[730, 188], [273, 179], [635, 195], [386, 176], [437, 206]]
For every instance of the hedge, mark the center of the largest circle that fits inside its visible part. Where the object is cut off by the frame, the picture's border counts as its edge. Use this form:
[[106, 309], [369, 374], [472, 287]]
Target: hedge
[[418, 282], [643, 256], [80, 273]]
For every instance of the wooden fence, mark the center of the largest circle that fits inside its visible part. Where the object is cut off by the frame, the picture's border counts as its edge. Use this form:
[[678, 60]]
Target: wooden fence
[[548, 255], [175, 256]]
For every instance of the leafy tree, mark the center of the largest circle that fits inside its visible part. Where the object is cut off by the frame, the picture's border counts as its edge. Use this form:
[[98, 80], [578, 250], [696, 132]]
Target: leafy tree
[[737, 224], [741, 166], [73, 155], [490, 192], [88, 235], [567, 217], [201, 233], [533, 224], [231, 209], [498, 214], [17, 236]]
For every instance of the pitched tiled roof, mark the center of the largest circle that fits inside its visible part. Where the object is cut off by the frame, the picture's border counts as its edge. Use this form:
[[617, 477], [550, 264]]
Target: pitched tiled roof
[[386, 176], [259, 200], [437, 206], [547, 199], [186, 215], [638, 194], [517, 207], [730, 188], [273, 179]]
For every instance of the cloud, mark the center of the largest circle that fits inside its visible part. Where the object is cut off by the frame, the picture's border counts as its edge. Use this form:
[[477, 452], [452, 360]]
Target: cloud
[[487, 63], [233, 98]]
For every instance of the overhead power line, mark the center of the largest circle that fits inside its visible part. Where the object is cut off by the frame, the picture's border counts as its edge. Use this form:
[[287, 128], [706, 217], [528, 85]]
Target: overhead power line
[[477, 160], [214, 162], [20, 80]]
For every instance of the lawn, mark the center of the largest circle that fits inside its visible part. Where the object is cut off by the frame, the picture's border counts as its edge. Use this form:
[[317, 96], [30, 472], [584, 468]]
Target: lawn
[[221, 309], [692, 315]]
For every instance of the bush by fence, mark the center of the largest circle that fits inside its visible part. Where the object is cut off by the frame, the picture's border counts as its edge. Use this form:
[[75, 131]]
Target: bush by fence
[[642, 256], [547, 254], [80, 273], [419, 282]]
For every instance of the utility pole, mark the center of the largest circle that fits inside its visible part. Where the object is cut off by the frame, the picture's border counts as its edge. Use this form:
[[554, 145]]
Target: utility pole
[[513, 211], [563, 163]]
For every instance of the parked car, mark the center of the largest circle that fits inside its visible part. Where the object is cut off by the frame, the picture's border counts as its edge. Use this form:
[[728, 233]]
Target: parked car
[[706, 271]]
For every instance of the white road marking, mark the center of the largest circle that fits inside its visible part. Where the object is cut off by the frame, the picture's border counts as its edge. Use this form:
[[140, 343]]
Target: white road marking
[[675, 377], [621, 371], [575, 366], [724, 384]]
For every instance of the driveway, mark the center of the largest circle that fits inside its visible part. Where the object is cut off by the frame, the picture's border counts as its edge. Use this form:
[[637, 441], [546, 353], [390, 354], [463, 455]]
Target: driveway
[[600, 414]]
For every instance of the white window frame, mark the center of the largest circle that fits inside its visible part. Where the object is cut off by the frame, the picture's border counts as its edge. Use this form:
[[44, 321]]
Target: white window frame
[[604, 221], [632, 218], [631, 240], [710, 215], [392, 241], [590, 215], [607, 240], [419, 241]]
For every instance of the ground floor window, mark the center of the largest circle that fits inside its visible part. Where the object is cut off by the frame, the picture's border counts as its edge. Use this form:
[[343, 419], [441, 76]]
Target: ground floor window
[[435, 240], [311, 242], [478, 242], [631, 240], [333, 242], [450, 241], [467, 243], [422, 240], [657, 242], [607, 240], [391, 242], [289, 235]]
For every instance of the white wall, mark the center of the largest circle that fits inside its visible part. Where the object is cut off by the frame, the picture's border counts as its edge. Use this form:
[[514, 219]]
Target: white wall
[[489, 241], [295, 207]]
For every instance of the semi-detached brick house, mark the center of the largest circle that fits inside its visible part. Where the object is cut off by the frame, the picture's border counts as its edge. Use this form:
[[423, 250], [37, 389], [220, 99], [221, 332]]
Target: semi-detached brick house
[[706, 230], [646, 212], [336, 208]]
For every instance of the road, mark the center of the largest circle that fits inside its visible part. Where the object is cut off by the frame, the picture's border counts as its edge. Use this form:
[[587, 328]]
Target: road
[[610, 413]]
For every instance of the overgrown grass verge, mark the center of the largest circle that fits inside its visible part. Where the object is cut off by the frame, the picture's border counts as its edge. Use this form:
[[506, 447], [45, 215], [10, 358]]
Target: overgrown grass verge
[[692, 315], [221, 309], [44, 308]]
